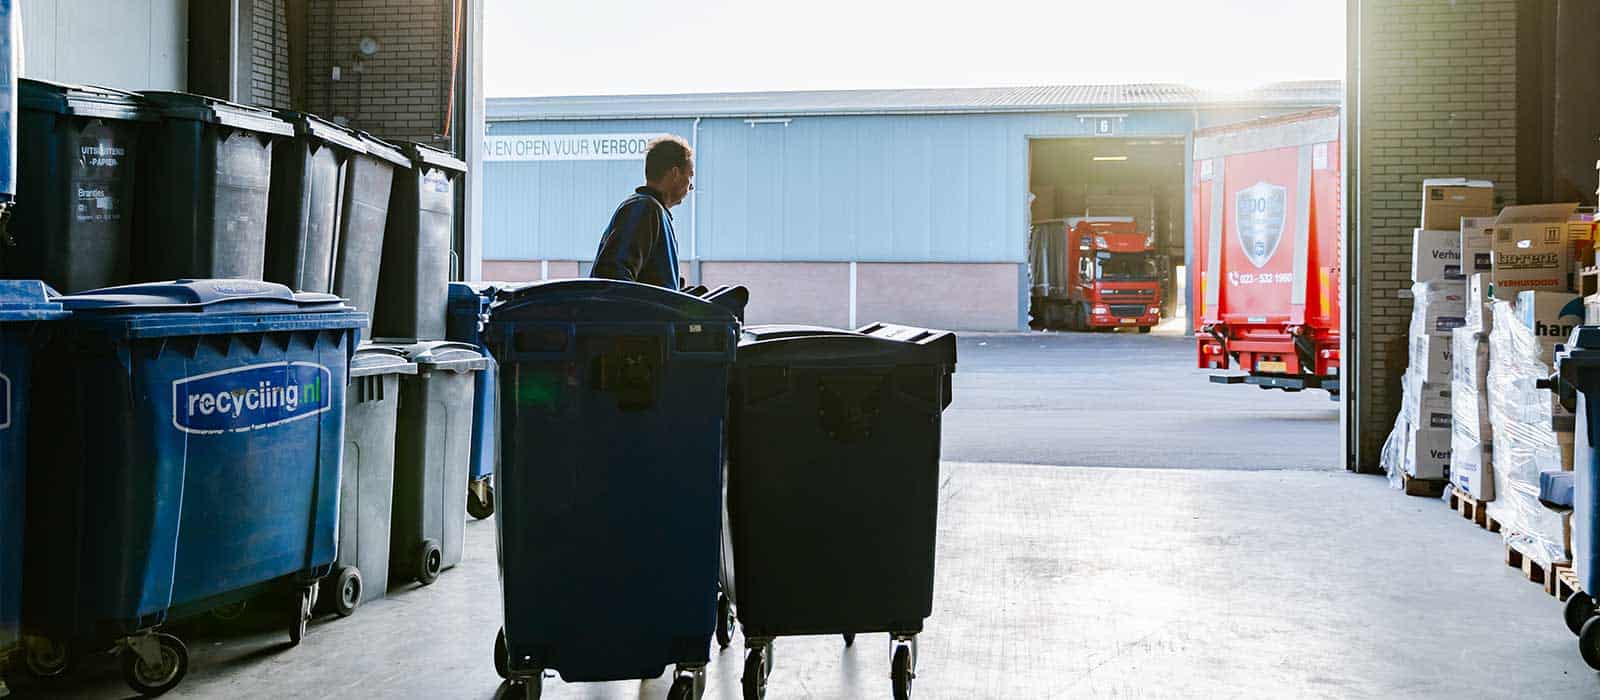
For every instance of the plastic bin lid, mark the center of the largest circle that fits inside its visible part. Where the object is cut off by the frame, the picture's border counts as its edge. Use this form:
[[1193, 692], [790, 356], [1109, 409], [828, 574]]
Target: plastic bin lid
[[28, 300], [603, 301], [370, 360], [323, 130], [207, 295], [80, 100], [183, 105], [383, 150], [430, 156], [446, 355], [879, 343]]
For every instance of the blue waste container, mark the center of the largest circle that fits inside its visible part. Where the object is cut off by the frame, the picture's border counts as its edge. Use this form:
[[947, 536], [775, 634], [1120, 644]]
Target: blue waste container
[[189, 449], [24, 305], [466, 310], [838, 430], [1578, 383], [613, 397]]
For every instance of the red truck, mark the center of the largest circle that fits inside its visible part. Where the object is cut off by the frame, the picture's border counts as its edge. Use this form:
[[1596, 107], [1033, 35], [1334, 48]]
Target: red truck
[[1094, 273], [1266, 251]]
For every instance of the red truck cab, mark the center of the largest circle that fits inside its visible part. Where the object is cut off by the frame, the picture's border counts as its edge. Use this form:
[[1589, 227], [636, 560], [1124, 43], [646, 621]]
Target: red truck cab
[[1115, 278]]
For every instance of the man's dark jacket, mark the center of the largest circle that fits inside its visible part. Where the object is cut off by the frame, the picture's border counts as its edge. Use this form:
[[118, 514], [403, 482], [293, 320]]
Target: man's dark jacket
[[638, 244]]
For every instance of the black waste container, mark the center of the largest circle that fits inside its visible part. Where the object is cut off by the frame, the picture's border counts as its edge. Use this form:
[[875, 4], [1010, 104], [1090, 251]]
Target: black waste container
[[363, 213], [303, 209], [366, 477], [206, 171], [432, 448], [73, 221], [838, 430], [416, 246]]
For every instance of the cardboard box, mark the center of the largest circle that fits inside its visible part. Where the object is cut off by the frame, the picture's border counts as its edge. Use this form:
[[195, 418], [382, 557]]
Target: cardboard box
[[1439, 306], [1551, 316], [1435, 255], [1480, 288], [1428, 453], [1472, 465], [1445, 201], [1430, 356], [1427, 404], [1531, 249], [1477, 244]]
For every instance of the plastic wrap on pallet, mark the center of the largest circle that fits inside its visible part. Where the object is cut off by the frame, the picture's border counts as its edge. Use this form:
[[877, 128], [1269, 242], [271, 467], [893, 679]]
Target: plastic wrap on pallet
[[1438, 307], [1525, 444], [1471, 437]]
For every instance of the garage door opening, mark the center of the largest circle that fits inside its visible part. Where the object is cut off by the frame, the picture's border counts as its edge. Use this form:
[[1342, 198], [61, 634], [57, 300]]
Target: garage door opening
[[1106, 233]]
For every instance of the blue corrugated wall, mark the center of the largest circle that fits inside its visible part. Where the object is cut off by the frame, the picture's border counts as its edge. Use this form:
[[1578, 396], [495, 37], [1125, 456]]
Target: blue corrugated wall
[[926, 188]]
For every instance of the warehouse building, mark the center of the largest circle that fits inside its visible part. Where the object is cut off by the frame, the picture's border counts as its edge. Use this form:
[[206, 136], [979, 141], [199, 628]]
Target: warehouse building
[[844, 207]]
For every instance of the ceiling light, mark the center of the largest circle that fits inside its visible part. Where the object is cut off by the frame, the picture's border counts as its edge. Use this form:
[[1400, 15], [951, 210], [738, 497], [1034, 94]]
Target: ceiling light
[[1116, 159]]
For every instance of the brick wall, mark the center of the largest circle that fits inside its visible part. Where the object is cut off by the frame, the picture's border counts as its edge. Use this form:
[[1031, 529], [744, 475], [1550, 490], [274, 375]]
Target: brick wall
[[269, 45], [402, 92], [1438, 99]]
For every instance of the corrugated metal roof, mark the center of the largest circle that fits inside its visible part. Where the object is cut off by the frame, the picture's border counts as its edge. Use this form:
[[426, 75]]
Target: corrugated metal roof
[[1048, 98]]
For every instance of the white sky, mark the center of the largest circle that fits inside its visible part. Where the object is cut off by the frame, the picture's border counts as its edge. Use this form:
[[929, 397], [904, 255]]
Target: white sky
[[596, 47]]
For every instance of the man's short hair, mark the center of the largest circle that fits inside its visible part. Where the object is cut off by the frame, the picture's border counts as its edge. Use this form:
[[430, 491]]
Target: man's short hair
[[664, 154]]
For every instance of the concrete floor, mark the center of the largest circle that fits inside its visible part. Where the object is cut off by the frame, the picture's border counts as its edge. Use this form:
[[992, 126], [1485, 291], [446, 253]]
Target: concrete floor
[[1061, 582]]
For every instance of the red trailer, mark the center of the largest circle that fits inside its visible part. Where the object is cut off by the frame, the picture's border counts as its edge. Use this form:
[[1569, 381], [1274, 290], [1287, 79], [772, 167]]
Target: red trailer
[[1266, 251]]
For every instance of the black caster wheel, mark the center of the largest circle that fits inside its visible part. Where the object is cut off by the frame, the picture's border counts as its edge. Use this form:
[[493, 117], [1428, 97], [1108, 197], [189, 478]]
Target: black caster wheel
[[756, 670], [502, 656], [429, 561], [724, 621], [849, 639], [533, 687], [151, 678], [901, 673], [1579, 610], [347, 590], [1589, 643], [480, 508], [47, 659], [299, 613], [682, 689]]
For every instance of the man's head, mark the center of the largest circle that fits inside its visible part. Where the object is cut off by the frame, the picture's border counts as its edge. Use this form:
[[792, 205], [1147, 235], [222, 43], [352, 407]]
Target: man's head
[[669, 168]]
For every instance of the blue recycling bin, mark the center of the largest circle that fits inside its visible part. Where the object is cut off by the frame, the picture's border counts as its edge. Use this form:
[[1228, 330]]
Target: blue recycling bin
[[613, 399], [189, 449], [1577, 382], [465, 310], [24, 306]]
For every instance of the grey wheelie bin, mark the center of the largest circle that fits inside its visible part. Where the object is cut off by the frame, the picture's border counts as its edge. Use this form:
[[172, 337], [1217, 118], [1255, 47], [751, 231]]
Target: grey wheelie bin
[[73, 222], [416, 247], [206, 171], [366, 483], [432, 448], [363, 217], [303, 209], [838, 430]]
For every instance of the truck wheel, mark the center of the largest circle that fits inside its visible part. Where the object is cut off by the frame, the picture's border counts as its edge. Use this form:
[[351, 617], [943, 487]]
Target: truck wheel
[[1144, 329]]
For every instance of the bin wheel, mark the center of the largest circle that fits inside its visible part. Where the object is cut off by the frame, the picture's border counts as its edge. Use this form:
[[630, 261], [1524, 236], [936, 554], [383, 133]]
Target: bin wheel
[[429, 560], [348, 586], [682, 689], [533, 687], [724, 621], [152, 679], [299, 614], [502, 655], [849, 639], [1580, 608], [901, 673], [756, 670], [1589, 643], [230, 612], [480, 508], [48, 659]]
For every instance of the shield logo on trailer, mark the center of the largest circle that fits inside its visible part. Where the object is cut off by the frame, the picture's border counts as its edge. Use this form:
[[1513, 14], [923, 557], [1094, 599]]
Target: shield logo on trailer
[[1258, 216]]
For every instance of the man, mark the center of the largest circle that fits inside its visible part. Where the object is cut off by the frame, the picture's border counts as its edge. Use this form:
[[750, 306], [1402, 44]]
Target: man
[[638, 244]]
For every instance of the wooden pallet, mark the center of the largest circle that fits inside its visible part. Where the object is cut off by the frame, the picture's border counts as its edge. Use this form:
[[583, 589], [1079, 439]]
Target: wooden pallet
[[1426, 488], [1533, 570], [1472, 509], [1566, 583]]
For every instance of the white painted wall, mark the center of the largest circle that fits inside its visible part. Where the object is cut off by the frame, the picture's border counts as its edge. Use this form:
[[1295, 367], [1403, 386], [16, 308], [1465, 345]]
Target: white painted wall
[[126, 44]]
